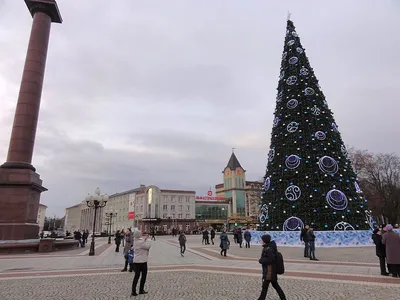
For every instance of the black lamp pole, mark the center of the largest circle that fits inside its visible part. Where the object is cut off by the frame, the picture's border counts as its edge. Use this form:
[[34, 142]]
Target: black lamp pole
[[96, 201], [110, 216]]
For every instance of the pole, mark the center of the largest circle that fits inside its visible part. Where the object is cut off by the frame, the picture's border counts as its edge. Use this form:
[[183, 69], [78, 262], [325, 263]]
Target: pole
[[109, 233], [91, 252]]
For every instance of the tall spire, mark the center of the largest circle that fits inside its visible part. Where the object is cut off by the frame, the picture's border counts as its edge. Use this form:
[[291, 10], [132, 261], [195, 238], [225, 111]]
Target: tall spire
[[233, 162], [309, 179]]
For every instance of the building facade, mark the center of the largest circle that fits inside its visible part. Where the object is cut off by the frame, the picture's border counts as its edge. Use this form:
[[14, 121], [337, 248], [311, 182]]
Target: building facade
[[165, 209], [41, 216], [123, 206], [212, 213], [73, 218]]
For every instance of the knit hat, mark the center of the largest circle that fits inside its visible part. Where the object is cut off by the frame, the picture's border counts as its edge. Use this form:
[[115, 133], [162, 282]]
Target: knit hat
[[266, 238], [137, 234], [389, 227]]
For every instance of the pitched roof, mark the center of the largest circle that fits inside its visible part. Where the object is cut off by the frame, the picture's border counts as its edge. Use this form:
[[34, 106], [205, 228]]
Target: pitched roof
[[233, 162]]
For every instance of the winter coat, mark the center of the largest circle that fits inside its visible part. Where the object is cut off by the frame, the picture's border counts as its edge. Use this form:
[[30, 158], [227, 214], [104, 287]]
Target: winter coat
[[141, 248], [182, 239], [205, 234], [392, 242], [247, 236], [268, 261], [310, 235], [118, 238], [224, 245], [380, 248], [303, 235], [212, 233], [239, 237], [128, 242]]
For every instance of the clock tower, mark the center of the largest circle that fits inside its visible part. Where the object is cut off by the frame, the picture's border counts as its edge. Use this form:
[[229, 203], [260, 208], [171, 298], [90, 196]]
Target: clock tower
[[234, 186]]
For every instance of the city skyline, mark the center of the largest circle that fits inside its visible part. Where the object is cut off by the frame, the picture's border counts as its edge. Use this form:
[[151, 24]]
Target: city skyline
[[146, 94]]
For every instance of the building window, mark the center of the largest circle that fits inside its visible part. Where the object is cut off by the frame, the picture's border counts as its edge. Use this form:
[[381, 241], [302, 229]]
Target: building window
[[180, 199], [164, 216], [165, 228], [180, 207], [187, 216], [173, 216], [165, 207], [187, 207], [187, 199], [172, 199], [172, 207], [165, 198], [179, 216]]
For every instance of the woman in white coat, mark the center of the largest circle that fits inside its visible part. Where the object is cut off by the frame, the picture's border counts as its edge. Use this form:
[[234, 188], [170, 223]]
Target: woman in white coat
[[141, 248]]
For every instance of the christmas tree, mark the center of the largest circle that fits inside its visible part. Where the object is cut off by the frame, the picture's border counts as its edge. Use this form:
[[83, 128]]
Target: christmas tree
[[309, 179]]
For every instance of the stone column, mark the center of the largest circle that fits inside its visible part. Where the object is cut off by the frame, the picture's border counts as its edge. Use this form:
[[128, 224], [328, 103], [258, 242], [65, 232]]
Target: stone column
[[20, 186]]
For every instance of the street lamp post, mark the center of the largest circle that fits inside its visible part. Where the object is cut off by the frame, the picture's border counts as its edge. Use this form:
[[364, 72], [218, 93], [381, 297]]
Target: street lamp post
[[110, 216], [95, 201]]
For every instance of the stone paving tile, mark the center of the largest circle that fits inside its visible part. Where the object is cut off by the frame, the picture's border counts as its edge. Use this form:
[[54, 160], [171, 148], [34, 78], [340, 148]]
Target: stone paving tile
[[184, 286]]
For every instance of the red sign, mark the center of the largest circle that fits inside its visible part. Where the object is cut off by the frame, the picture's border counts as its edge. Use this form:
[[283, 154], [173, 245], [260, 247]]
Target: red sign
[[210, 198], [131, 215], [209, 194]]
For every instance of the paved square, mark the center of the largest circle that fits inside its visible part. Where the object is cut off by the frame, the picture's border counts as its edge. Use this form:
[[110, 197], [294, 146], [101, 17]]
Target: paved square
[[183, 285]]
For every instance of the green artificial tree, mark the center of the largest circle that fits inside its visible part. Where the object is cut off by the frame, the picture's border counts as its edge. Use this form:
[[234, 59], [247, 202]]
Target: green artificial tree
[[309, 178]]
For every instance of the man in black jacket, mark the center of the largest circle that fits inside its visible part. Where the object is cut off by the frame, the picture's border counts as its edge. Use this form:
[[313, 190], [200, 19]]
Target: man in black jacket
[[380, 250], [304, 238], [268, 262]]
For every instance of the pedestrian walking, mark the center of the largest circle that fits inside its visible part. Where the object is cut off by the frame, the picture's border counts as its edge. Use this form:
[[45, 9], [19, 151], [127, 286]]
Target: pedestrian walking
[[224, 245], [392, 242], [311, 242], [304, 238], [118, 238], [212, 235], [141, 249], [182, 242], [247, 238], [268, 261], [239, 237], [380, 250], [153, 234]]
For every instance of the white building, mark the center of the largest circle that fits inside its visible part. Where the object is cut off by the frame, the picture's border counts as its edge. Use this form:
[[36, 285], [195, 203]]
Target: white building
[[41, 216], [73, 218], [123, 205], [165, 209]]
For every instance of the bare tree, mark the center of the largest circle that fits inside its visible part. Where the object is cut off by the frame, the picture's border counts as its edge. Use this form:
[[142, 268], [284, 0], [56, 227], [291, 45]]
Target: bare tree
[[379, 176]]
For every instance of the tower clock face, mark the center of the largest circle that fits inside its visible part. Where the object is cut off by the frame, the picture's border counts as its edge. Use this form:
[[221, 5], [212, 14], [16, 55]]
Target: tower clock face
[[238, 172], [228, 172]]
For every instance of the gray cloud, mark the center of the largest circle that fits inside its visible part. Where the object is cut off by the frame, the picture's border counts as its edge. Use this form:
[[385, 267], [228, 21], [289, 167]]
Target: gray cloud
[[159, 92]]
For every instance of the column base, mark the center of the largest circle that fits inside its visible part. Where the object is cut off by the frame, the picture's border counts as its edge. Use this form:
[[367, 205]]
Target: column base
[[20, 191]]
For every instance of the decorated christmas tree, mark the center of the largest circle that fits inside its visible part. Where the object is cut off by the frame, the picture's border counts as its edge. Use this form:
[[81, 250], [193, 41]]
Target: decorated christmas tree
[[309, 179]]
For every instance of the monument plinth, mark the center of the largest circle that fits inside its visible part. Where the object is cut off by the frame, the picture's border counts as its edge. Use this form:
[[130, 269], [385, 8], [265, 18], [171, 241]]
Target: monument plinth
[[20, 185]]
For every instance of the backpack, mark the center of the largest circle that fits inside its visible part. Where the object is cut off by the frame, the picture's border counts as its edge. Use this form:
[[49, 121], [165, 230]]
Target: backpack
[[280, 266]]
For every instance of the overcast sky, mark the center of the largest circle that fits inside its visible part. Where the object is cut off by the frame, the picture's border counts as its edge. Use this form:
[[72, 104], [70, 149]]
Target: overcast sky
[[158, 92]]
